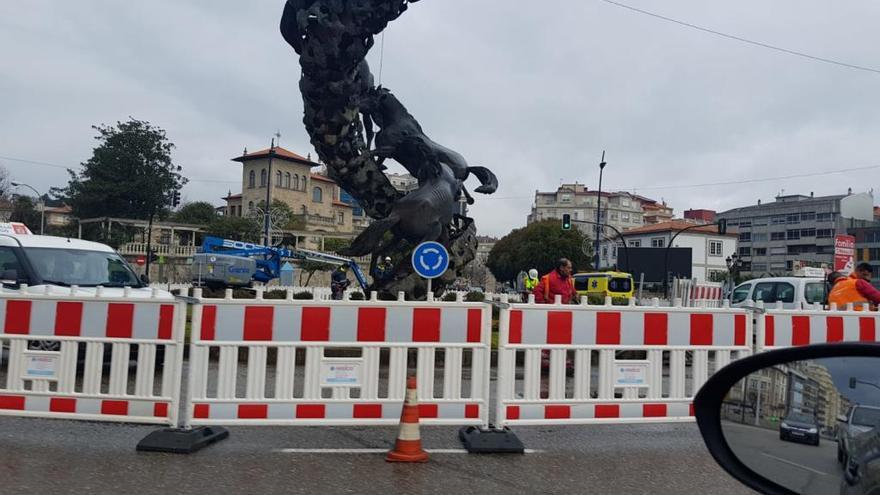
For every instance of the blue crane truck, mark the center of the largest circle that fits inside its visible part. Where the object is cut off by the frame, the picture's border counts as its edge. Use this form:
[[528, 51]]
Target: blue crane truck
[[226, 263]]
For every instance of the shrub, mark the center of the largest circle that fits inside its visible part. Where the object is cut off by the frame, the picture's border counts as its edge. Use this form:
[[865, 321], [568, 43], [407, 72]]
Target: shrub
[[303, 295], [357, 296], [475, 296]]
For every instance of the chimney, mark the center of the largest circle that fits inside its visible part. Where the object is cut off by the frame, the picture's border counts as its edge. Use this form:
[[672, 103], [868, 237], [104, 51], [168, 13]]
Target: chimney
[[849, 191], [245, 151], [759, 202]]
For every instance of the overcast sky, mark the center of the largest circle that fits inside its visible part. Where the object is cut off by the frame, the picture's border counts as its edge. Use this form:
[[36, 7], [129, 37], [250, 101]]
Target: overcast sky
[[534, 93]]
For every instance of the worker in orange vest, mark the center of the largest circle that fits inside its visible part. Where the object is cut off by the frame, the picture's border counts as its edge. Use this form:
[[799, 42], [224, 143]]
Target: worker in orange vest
[[558, 282], [855, 289]]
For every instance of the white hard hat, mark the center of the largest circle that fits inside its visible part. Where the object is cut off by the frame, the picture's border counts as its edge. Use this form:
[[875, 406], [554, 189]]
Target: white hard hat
[[533, 273], [388, 258]]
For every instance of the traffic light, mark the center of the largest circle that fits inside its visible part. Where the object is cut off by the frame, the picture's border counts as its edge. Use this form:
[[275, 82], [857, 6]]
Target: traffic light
[[175, 199], [722, 226], [852, 382], [566, 221]]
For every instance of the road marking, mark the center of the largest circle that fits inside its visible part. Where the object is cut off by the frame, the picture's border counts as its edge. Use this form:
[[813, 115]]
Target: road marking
[[378, 451], [786, 461]]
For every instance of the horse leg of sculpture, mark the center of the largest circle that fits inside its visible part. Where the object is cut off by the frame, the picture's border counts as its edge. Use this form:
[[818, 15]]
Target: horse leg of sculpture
[[488, 180]]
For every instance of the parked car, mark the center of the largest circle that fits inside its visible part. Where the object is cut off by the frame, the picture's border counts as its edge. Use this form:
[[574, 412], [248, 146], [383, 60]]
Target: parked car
[[793, 292], [799, 427], [57, 263], [860, 419]]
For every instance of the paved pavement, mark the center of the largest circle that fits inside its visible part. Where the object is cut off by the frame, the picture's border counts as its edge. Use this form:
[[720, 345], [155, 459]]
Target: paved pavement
[[52, 456], [800, 467]]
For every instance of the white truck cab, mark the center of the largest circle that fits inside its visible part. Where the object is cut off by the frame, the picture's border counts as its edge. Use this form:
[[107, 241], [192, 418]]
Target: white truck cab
[[792, 292], [57, 263]]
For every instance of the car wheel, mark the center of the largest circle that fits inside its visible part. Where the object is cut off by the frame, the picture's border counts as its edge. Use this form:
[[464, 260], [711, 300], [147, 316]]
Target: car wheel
[[44, 345]]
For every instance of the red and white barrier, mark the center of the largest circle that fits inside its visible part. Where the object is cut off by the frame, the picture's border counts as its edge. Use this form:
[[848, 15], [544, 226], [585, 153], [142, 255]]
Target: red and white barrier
[[330, 359], [80, 328], [779, 327], [631, 343]]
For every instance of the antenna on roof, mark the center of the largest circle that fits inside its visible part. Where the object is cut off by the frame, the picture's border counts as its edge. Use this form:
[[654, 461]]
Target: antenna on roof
[[245, 150], [277, 136]]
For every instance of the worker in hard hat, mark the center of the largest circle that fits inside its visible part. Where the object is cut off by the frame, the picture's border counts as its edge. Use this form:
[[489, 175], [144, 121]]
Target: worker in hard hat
[[384, 270], [529, 284]]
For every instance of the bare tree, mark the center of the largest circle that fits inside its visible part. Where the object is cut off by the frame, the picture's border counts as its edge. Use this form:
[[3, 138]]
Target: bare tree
[[5, 186]]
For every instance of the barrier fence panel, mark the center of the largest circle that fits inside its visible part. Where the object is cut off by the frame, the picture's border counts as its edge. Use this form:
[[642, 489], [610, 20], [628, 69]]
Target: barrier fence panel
[[307, 362], [778, 327], [611, 364], [91, 357]]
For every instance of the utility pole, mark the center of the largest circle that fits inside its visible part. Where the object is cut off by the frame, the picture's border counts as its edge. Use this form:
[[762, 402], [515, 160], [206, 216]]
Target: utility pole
[[267, 219], [599, 210]]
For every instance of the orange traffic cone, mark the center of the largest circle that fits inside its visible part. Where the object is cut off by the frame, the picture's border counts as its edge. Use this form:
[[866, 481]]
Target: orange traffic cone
[[408, 447]]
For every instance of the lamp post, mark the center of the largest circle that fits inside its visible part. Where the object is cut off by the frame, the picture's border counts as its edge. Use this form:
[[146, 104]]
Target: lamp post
[[39, 198], [599, 208], [267, 221], [733, 263]]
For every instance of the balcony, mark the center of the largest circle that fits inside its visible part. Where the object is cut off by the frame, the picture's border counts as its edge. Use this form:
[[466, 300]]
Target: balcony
[[171, 251]]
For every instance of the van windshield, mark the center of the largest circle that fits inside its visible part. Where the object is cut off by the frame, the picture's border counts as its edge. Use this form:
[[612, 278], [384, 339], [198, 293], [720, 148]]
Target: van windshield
[[83, 268]]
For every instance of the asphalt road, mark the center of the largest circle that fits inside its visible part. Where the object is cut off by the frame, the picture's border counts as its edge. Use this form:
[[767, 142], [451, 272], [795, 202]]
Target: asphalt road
[[53, 456], [802, 468]]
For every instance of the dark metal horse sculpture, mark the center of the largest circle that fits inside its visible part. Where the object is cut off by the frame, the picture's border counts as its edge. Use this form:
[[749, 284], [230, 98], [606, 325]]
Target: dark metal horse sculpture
[[332, 38]]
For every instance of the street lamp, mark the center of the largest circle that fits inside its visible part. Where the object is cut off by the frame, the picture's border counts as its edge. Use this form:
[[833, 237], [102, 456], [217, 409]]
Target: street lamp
[[39, 198], [599, 208]]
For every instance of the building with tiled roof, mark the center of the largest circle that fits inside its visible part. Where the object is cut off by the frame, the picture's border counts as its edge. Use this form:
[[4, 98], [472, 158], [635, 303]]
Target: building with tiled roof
[[314, 198]]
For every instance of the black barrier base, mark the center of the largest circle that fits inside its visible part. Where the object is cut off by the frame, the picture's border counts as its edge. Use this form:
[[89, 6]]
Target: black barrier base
[[490, 441], [182, 441]]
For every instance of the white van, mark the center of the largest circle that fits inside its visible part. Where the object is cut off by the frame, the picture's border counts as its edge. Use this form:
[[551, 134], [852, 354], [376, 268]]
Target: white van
[[58, 263], [793, 292]]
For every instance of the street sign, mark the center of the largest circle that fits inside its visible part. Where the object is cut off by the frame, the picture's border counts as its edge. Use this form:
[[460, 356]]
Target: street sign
[[140, 260], [430, 259]]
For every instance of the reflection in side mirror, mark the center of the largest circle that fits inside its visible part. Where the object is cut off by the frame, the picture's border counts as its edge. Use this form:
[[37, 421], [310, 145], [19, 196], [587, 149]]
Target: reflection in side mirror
[[789, 419]]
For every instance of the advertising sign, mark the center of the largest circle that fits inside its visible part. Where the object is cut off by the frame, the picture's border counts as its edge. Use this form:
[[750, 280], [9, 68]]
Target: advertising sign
[[631, 374], [341, 372], [844, 254]]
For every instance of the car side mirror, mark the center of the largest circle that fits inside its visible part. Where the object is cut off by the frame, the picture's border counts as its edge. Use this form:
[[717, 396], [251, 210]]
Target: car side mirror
[[758, 417], [9, 277], [145, 279]]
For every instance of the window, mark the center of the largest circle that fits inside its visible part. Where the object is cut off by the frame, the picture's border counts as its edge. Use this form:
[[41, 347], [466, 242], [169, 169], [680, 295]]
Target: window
[[624, 202], [808, 233], [745, 251], [250, 206], [741, 293], [824, 233], [715, 248], [778, 250], [263, 178], [777, 236], [759, 267], [824, 217], [793, 235], [317, 195], [777, 265], [759, 252], [614, 215], [760, 221], [745, 236], [624, 217], [777, 220], [287, 180], [792, 219], [296, 182], [825, 250], [635, 243], [340, 218], [808, 216], [252, 177], [278, 179], [745, 223], [873, 254], [771, 292], [658, 242], [759, 237], [814, 292], [566, 198]]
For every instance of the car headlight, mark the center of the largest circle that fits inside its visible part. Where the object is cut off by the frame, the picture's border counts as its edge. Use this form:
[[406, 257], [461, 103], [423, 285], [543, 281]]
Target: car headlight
[[784, 425], [813, 430]]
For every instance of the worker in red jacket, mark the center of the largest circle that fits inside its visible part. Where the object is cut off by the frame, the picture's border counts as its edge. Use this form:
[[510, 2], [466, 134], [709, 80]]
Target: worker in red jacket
[[558, 282]]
